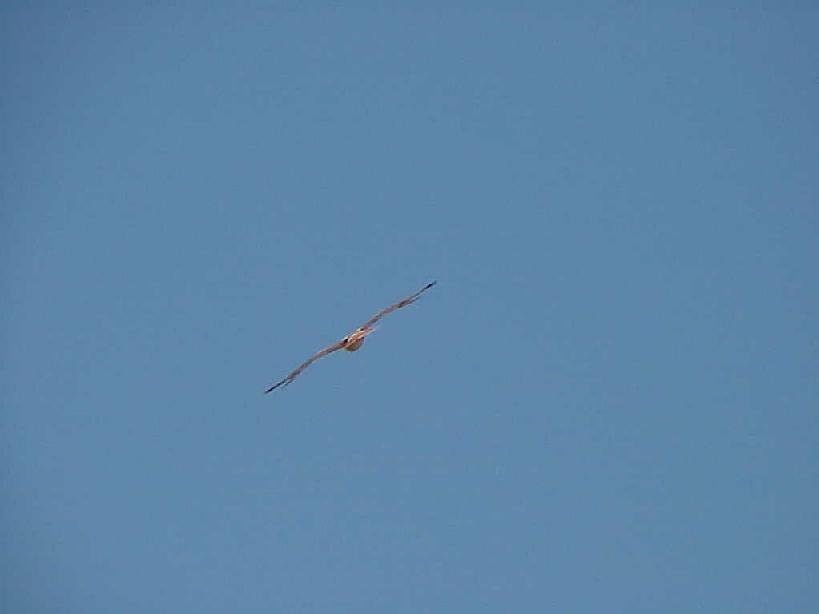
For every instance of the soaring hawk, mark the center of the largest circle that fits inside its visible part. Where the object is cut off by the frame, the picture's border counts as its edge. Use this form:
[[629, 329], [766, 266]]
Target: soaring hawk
[[354, 340]]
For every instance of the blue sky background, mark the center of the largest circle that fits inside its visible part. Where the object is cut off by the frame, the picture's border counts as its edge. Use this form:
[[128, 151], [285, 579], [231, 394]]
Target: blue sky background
[[609, 403]]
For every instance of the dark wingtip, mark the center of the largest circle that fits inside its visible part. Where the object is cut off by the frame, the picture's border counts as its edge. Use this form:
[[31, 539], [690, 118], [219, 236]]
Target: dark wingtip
[[430, 284]]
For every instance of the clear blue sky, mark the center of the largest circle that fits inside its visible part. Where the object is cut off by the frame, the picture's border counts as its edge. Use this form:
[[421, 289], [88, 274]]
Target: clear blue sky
[[609, 403]]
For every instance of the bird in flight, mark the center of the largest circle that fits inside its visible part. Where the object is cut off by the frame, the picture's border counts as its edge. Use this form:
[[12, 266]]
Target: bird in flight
[[354, 340]]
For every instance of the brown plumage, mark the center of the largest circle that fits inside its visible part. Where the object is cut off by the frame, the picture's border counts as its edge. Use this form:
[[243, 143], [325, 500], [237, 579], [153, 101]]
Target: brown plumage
[[354, 340]]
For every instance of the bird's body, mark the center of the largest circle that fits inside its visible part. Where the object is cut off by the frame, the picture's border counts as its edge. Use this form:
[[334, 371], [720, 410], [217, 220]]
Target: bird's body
[[354, 340]]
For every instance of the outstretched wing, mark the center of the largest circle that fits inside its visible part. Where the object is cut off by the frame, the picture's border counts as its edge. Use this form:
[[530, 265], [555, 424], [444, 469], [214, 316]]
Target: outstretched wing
[[297, 371], [402, 303]]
